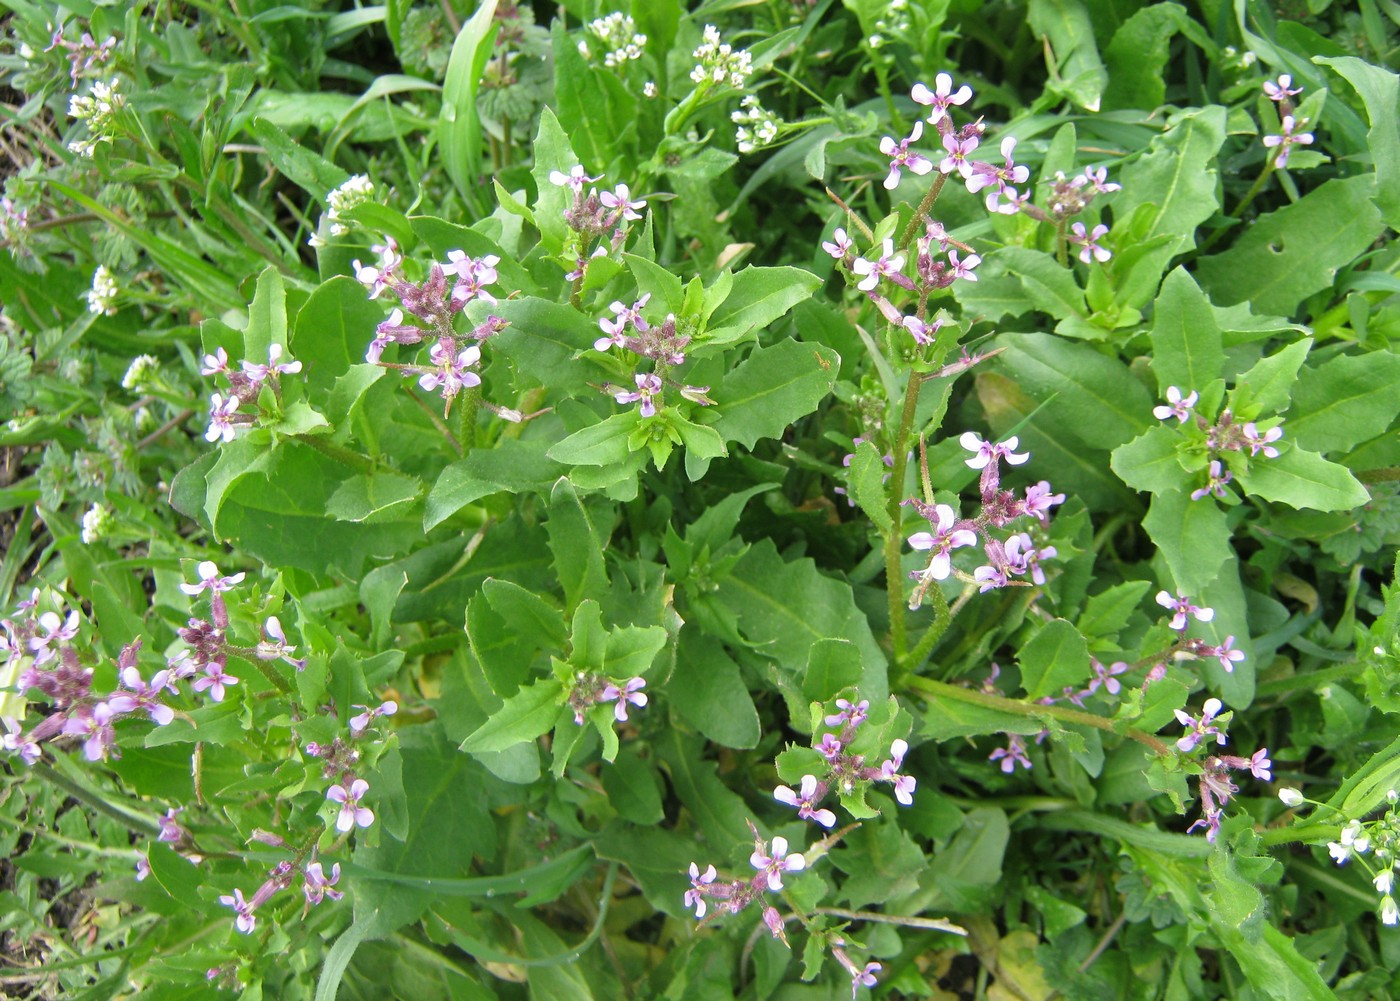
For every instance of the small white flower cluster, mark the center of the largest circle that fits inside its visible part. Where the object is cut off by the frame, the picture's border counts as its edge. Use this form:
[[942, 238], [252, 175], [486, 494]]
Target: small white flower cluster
[[140, 372], [97, 111], [97, 524], [893, 21], [356, 191], [758, 127], [719, 63], [618, 33], [101, 298], [1380, 839]]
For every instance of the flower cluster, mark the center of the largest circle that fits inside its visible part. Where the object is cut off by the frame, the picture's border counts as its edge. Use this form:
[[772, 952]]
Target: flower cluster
[[1282, 93], [83, 54], [1374, 844], [1215, 785], [589, 690], [618, 34], [227, 413], [316, 886], [437, 300], [718, 63], [102, 297], [595, 216], [1222, 436], [660, 343], [736, 894], [97, 110], [358, 190], [1007, 558], [758, 127]]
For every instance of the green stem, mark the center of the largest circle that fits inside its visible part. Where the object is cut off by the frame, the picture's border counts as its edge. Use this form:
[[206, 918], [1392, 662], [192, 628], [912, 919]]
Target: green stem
[[894, 541], [973, 696], [1061, 244], [1312, 831], [336, 452], [1239, 209], [942, 619], [921, 213]]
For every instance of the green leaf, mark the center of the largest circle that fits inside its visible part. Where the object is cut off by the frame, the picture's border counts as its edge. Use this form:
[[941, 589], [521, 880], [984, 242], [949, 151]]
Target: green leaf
[[771, 389], [1267, 387], [338, 957], [380, 496], [1344, 401], [513, 465], [526, 613], [718, 810], [662, 284], [267, 316], [309, 171], [577, 542], [1150, 461], [603, 444], [527, 714], [630, 650], [866, 484], [332, 328], [1056, 657], [1016, 280], [459, 125], [1289, 254], [1176, 179], [177, 875], [1192, 536], [1303, 479], [1186, 344], [832, 667], [951, 719], [551, 343], [552, 152], [965, 873], [1137, 57], [1106, 613], [632, 788], [708, 692], [1380, 92], [1067, 28], [757, 297], [1095, 395]]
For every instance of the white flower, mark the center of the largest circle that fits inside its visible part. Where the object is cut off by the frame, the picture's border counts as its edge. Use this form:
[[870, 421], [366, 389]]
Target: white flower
[[101, 298], [1290, 797]]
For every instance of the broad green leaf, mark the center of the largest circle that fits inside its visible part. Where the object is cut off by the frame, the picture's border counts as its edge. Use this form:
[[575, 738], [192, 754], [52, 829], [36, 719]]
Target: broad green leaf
[[527, 714], [771, 389], [1267, 388], [1106, 613], [718, 810], [865, 482], [1151, 462], [380, 496], [550, 343], [526, 613], [1292, 252], [267, 317], [332, 330], [708, 692], [660, 283], [552, 152], [630, 650], [632, 787], [881, 863], [177, 875], [1177, 178], [1095, 396], [577, 539], [832, 667], [603, 444], [965, 873], [1138, 54], [514, 465], [1192, 537], [1055, 658], [1186, 345], [1303, 479], [459, 125], [951, 719], [1380, 92], [1067, 28], [306, 169], [1015, 280], [1344, 401], [757, 297]]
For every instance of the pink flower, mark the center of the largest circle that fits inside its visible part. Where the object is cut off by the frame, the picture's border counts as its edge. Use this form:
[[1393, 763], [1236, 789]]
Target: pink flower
[[942, 542], [1199, 729], [574, 180], [840, 245], [941, 98], [318, 886], [1286, 139], [1216, 482], [1091, 251], [245, 921], [648, 386], [889, 772], [210, 580], [1262, 443], [963, 269], [631, 692], [214, 680], [901, 156], [451, 373], [620, 200], [221, 428], [1181, 607], [773, 866], [888, 263], [351, 812], [923, 333], [695, 896], [852, 713], [1177, 406], [958, 152], [806, 800], [987, 451], [1013, 754], [1282, 90]]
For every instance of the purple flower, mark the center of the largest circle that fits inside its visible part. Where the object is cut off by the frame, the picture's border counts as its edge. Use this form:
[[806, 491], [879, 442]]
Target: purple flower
[[648, 386], [963, 269], [923, 333], [806, 800], [1106, 677], [942, 97], [221, 427], [574, 180], [1216, 483], [865, 977], [1181, 607], [1262, 443], [1013, 754], [1225, 653], [1097, 178], [940, 543], [839, 246], [214, 680], [210, 580], [274, 645], [695, 896], [631, 692], [958, 152], [1090, 243], [620, 200], [144, 696], [245, 921], [1198, 729], [889, 772], [143, 867], [1001, 180], [829, 747], [214, 364], [989, 578], [16, 743], [852, 713], [624, 315], [259, 373], [351, 812], [888, 263], [1286, 140], [988, 452], [359, 723], [1039, 500], [318, 885], [451, 373], [773, 866], [1282, 90], [170, 830], [472, 276], [1178, 406], [901, 156]]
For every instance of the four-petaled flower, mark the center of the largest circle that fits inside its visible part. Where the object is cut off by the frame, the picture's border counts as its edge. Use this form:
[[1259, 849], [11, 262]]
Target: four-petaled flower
[[220, 412], [452, 371], [1177, 406], [1262, 442], [695, 896], [574, 180], [888, 263], [839, 245], [942, 542], [853, 713], [1226, 654], [1090, 242], [620, 199], [963, 268], [988, 451], [624, 315], [1282, 90], [1181, 607], [245, 921], [1216, 483], [773, 866], [889, 772], [941, 97], [865, 977], [630, 692], [958, 152], [923, 333], [214, 680], [805, 799], [16, 743], [209, 579], [648, 386], [1286, 139], [259, 373], [351, 812], [901, 156], [1198, 729], [360, 723], [319, 885]]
